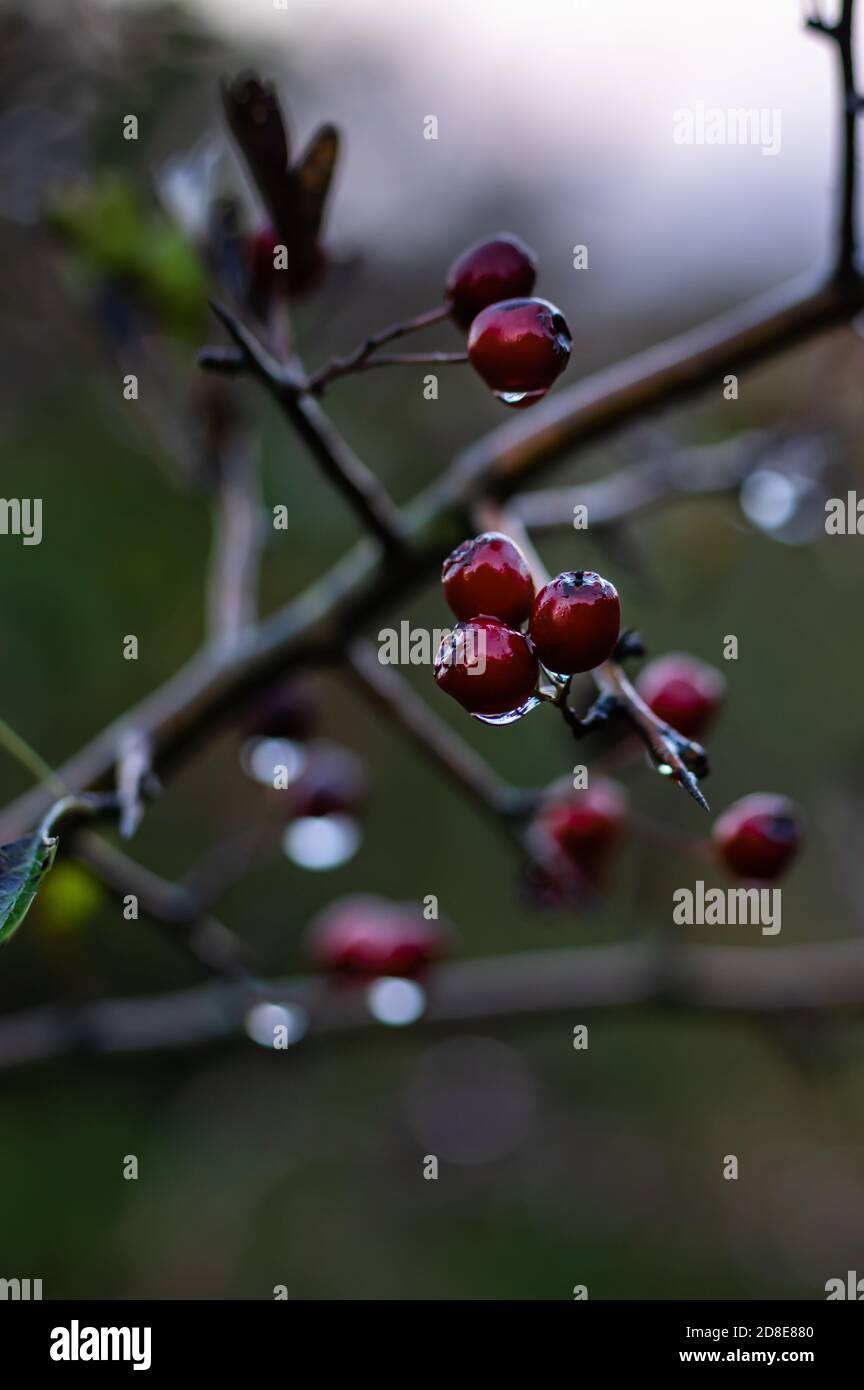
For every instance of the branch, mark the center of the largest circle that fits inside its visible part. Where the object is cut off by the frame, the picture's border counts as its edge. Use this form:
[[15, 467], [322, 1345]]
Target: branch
[[238, 534], [842, 33], [571, 983], [175, 909], [675, 474], [339, 463]]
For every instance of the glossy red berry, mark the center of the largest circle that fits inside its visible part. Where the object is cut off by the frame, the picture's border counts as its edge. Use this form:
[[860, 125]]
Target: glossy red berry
[[487, 666], [758, 836], [502, 267], [575, 622], [370, 937], [586, 825], [490, 575], [519, 347], [682, 691]]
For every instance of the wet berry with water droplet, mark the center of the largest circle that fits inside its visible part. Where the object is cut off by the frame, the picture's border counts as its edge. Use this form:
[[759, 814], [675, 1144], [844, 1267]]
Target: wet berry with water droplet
[[488, 574], [575, 622], [369, 937], [758, 836], [488, 667], [502, 267], [519, 347], [682, 691]]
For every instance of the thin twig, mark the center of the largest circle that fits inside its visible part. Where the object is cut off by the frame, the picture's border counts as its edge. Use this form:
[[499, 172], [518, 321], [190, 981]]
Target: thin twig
[[175, 909], [358, 359]]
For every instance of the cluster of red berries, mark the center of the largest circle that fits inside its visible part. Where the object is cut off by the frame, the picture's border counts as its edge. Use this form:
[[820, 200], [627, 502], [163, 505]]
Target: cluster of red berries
[[518, 344], [487, 662], [368, 937]]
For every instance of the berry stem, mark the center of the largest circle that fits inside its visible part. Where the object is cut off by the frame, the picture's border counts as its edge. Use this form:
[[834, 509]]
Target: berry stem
[[357, 361]]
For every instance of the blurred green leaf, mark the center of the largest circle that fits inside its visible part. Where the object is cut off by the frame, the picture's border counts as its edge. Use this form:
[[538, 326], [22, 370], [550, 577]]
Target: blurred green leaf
[[23, 865]]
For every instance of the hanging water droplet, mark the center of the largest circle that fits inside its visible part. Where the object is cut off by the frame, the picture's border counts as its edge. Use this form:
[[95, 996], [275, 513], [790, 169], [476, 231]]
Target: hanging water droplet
[[511, 716], [321, 842], [665, 770], [519, 400]]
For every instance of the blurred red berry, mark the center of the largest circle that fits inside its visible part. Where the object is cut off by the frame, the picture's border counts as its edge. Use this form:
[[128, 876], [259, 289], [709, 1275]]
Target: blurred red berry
[[586, 825], [487, 666], [285, 712], [333, 783], [520, 347], [488, 575], [502, 267], [758, 836], [575, 622], [370, 937], [682, 691]]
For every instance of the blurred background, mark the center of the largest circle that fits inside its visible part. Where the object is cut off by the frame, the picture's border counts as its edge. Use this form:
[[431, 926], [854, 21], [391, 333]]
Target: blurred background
[[304, 1168]]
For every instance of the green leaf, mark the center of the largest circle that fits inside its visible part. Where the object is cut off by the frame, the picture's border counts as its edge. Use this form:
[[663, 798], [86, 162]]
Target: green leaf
[[23, 865]]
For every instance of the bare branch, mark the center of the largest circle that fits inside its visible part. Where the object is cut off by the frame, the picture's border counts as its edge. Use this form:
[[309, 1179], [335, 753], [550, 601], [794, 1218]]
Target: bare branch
[[232, 588], [338, 462], [173, 908], [504, 990]]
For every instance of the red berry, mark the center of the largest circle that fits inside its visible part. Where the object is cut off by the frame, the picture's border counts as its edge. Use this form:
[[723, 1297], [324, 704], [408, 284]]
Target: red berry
[[286, 712], [266, 281], [370, 937], [333, 783], [586, 825], [682, 691], [519, 347], [501, 268], [487, 666], [488, 575], [575, 622], [758, 836]]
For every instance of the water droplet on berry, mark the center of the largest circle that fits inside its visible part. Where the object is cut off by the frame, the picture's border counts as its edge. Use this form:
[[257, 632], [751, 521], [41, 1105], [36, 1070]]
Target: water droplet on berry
[[321, 842], [519, 400], [511, 716]]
